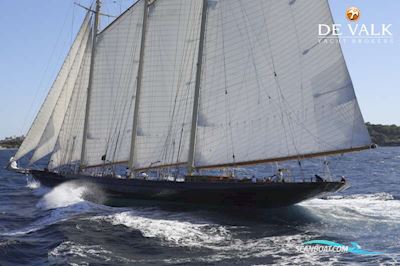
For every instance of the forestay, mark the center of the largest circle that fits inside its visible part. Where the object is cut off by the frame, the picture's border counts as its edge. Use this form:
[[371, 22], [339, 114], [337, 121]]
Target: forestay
[[269, 88]]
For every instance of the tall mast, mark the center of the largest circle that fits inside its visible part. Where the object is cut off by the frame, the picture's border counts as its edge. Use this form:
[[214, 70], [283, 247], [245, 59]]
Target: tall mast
[[89, 90], [197, 90], [132, 156]]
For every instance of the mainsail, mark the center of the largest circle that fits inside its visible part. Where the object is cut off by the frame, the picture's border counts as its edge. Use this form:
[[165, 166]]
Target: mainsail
[[268, 89]]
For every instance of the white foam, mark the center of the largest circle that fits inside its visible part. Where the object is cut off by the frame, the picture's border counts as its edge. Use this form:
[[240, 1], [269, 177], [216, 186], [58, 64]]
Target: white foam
[[221, 240], [63, 195], [379, 207], [180, 233], [70, 249], [36, 187], [32, 183]]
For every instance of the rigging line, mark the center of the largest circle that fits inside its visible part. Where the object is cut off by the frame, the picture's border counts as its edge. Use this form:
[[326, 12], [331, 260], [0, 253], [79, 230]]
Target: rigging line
[[301, 61], [74, 95], [45, 72], [290, 124], [174, 84], [186, 106], [317, 139], [182, 83], [289, 107], [113, 98], [291, 128], [116, 117], [128, 104], [251, 53], [228, 115], [194, 32], [279, 91], [73, 115], [179, 84], [130, 100], [127, 101], [191, 62]]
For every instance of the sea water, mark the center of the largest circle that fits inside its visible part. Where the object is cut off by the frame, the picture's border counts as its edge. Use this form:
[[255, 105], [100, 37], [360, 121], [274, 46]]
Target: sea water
[[41, 226]]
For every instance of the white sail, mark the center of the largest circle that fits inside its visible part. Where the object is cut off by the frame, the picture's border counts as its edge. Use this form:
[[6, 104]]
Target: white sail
[[42, 119], [69, 143], [52, 129], [169, 69], [113, 89], [269, 89]]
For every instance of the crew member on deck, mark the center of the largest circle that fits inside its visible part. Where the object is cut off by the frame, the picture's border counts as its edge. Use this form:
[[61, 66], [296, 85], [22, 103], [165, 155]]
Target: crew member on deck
[[128, 172], [280, 175]]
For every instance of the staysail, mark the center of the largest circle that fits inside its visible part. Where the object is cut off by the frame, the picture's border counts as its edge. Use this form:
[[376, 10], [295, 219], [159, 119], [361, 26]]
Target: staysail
[[167, 85], [270, 89], [65, 80], [169, 70], [113, 89], [68, 147], [53, 127]]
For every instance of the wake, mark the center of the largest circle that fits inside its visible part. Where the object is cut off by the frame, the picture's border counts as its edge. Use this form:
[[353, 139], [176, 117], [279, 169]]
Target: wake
[[378, 208]]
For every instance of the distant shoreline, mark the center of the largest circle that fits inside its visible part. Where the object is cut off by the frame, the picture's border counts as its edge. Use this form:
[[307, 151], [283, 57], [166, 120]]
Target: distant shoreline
[[384, 135]]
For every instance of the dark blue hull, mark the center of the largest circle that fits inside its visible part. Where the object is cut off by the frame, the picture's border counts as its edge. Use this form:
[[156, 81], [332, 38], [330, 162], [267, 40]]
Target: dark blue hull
[[229, 193]]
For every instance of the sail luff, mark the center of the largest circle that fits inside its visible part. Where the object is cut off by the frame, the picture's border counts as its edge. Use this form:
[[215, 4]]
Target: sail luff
[[132, 155], [39, 123], [192, 141], [89, 90]]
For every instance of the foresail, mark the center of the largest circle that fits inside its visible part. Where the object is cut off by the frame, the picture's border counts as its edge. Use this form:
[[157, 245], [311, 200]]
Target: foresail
[[51, 132], [169, 70], [42, 119], [113, 89], [68, 147], [269, 88]]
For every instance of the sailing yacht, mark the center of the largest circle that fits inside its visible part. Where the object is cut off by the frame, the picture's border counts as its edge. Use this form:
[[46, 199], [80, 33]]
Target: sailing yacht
[[174, 95]]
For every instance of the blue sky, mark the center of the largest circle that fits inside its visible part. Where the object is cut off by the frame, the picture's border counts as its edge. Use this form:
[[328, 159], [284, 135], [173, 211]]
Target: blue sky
[[36, 35]]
